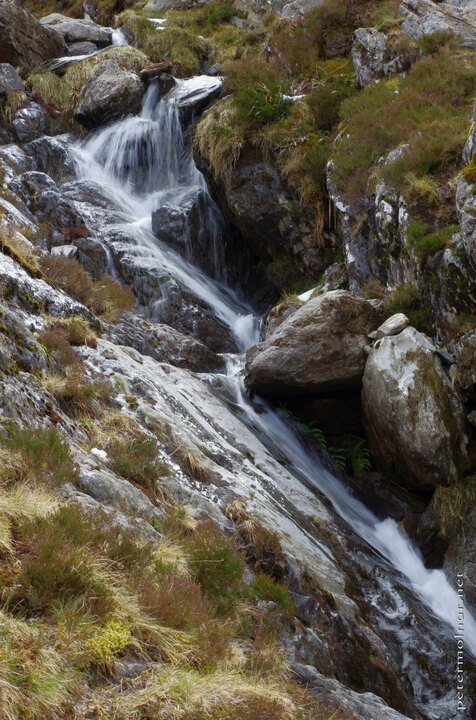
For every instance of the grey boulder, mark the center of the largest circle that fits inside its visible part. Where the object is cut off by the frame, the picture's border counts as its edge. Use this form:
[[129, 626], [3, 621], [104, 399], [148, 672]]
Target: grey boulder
[[319, 348], [75, 31], [412, 415], [24, 40], [110, 94]]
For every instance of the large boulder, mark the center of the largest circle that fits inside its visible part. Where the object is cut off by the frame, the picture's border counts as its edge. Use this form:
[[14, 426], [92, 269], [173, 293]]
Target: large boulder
[[75, 31], [413, 416], [31, 122], [23, 40], [374, 57], [318, 349], [109, 94], [10, 81]]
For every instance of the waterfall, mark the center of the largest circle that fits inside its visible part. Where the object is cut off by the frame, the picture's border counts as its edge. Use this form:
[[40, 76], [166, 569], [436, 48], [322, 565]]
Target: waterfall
[[143, 163]]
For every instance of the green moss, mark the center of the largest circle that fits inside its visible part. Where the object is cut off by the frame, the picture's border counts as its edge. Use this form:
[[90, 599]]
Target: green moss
[[108, 643], [407, 299], [469, 172], [450, 505]]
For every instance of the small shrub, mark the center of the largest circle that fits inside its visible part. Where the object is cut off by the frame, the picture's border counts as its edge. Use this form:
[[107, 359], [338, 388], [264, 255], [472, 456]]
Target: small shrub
[[430, 44], [221, 12], [373, 289], [175, 600], [77, 395], [216, 566], [268, 589], [55, 340], [324, 102]]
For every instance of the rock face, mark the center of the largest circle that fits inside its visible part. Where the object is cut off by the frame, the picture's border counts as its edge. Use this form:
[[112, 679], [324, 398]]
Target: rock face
[[373, 56], [256, 201], [465, 378], [319, 348], [23, 40], [412, 415], [423, 17], [109, 94], [10, 81], [31, 123], [466, 211], [460, 559]]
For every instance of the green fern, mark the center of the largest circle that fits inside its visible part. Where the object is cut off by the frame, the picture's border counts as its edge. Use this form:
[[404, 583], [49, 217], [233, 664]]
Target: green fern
[[359, 458]]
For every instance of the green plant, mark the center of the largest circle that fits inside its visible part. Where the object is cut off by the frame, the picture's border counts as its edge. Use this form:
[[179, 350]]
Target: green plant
[[427, 243], [358, 457], [469, 171], [450, 505], [262, 104], [268, 589], [108, 642]]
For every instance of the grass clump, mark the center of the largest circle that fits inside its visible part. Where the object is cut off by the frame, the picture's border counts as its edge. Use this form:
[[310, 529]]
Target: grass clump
[[406, 299], [40, 455], [397, 112], [106, 297], [268, 589], [77, 394], [136, 459], [426, 243]]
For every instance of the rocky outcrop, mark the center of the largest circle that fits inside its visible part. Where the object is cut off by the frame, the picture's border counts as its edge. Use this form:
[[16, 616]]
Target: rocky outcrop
[[374, 56], [424, 17], [413, 417], [261, 208], [318, 349], [23, 40], [109, 94], [10, 81], [75, 31], [165, 344], [18, 346]]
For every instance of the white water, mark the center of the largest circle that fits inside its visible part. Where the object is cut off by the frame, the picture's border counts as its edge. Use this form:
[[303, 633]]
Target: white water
[[142, 162]]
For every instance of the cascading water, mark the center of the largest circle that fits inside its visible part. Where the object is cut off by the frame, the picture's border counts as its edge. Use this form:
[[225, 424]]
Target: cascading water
[[143, 163]]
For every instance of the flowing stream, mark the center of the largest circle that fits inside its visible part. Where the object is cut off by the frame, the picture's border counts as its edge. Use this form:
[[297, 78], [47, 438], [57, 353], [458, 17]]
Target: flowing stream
[[143, 162]]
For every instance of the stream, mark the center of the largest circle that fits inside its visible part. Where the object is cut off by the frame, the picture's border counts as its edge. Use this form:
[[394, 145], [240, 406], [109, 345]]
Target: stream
[[145, 162]]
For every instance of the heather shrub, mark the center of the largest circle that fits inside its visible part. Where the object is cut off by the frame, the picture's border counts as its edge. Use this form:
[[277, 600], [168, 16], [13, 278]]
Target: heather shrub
[[45, 455], [136, 459], [216, 566]]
